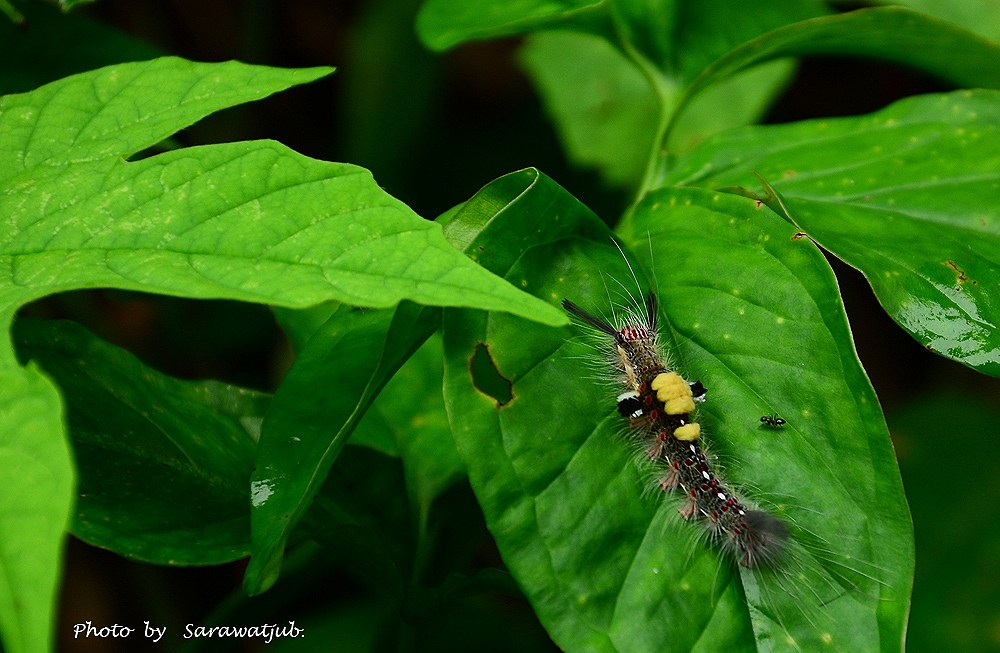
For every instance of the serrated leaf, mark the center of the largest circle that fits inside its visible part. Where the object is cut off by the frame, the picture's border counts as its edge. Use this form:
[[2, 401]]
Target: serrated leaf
[[164, 463], [907, 195], [608, 568]]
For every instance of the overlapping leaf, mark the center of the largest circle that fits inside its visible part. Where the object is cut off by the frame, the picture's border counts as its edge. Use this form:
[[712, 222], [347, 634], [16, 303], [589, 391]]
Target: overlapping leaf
[[335, 378], [907, 195], [343, 367], [608, 568], [247, 221], [164, 464]]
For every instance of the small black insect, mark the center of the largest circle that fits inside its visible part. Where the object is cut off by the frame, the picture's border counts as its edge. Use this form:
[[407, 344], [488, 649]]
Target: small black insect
[[772, 421]]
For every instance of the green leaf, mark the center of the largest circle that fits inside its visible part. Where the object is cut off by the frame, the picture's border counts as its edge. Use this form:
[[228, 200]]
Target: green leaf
[[611, 94], [408, 419], [38, 479], [765, 327], [608, 567], [249, 221], [603, 106], [335, 378], [164, 464], [356, 352], [308, 230], [30, 59], [606, 111], [444, 23], [700, 41], [677, 38], [978, 16], [15, 17], [906, 195], [890, 33]]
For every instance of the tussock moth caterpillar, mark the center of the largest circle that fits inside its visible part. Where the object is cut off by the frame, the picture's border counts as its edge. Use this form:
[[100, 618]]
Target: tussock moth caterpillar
[[659, 406], [796, 584]]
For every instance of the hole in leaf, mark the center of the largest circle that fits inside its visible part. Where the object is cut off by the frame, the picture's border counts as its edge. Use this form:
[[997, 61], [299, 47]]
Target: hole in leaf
[[487, 378]]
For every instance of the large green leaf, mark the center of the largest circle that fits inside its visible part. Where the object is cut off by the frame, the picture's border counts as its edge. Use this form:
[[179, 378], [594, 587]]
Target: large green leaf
[[37, 474], [607, 111], [164, 464], [675, 38], [248, 221], [764, 325], [307, 230], [356, 352], [759, 320], [890, 33], [907, 195], [978, 16], [334, 380]]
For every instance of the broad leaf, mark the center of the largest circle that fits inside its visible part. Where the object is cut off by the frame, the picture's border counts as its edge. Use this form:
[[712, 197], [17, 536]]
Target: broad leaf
[[37, 472], [608, 567], [907, 195], [344, 366], [607, 111], [764, 326], [308, 230], [335, 378], [978, 16], [248, 221], [675, 38], [164, 464], [890, 33]]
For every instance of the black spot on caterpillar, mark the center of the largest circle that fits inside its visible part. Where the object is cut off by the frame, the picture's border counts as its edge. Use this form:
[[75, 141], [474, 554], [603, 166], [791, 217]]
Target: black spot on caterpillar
[[659, 406]]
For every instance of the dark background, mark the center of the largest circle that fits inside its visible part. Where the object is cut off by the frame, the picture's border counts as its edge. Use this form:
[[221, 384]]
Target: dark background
[[433, 129]]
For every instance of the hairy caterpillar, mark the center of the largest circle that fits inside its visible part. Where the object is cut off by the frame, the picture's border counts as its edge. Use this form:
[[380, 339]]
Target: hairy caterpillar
[[801, 591], [659, 405]]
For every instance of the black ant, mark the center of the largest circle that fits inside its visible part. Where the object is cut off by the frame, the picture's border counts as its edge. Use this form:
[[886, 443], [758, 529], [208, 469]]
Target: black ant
[[772, 421]]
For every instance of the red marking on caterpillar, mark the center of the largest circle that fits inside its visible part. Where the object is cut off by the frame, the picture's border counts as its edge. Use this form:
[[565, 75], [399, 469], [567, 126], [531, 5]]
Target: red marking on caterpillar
[[659, 406]]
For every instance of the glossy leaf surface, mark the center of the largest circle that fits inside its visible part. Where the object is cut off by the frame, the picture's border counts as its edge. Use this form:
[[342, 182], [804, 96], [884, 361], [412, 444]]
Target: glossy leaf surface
[[907, 195], [608, 566]]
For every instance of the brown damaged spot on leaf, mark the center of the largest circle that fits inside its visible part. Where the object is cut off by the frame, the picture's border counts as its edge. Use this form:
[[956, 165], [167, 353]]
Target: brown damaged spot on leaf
[[961, 276], [487, 379], [799, 235]]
